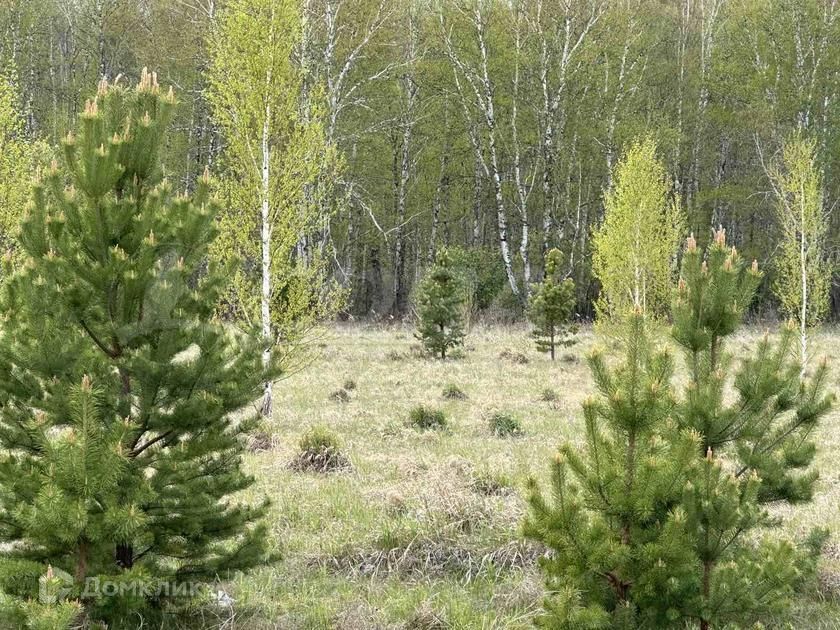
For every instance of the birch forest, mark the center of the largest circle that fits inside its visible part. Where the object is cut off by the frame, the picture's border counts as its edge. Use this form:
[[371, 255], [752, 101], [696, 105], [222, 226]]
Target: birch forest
[[351, 139]]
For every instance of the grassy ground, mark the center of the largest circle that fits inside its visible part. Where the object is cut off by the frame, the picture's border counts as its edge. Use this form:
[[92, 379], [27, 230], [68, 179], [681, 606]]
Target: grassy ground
[[423, 532]]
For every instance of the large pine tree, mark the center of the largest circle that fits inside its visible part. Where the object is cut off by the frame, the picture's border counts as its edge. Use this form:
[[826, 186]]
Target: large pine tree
[[121, 446]]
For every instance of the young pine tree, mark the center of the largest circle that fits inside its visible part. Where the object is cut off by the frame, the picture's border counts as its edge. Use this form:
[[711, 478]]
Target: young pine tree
[[550, 307], [657, 523], [120, 450], [440, 308], [616, 538], [755, 448]]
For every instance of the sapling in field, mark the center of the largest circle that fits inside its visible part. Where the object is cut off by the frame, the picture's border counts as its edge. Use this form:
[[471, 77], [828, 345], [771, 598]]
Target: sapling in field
[[803, 278], [440, 308], [657, 523], [611, 520], [120, 453], [754, 449], [551, 306]]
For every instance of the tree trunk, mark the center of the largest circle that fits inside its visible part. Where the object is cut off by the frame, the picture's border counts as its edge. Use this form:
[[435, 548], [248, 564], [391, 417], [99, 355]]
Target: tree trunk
[[265, 237]]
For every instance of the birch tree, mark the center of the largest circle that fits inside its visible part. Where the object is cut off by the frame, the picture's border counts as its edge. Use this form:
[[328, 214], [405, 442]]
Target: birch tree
[[635, 247], [803, 274], [19, 156], [271, 156], [479, 92]]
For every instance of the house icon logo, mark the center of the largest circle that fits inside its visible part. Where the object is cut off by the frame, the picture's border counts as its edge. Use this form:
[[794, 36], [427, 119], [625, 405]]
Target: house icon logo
[[54, 586]]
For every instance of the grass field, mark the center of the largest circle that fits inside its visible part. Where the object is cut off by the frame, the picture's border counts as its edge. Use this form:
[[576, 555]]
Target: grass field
[[423, 530]]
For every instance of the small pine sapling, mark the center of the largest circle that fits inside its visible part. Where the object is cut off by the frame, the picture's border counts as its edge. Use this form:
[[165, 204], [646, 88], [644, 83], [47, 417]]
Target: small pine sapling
[[441, 308], [611, 521], [752, 450], [657, 523], [551, 306]]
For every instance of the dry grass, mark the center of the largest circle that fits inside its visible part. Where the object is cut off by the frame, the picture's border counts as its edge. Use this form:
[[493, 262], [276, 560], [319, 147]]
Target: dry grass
[[423, 531]]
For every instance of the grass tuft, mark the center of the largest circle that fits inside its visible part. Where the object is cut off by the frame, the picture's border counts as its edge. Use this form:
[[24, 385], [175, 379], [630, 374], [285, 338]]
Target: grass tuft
[[452, 392], [425, 418], [320, 451], [514, 357], [260, 441], [427, 618], [505, 425]]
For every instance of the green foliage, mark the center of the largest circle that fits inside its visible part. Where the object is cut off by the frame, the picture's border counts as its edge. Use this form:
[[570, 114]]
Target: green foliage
[[612, 524], [117, 388], [504, 424], [482, 275], [439, 305], [803, 278], [657, 522], [426, 418], [255, 95], [635, 248], [19, 159], [551, 306], [754, 449]]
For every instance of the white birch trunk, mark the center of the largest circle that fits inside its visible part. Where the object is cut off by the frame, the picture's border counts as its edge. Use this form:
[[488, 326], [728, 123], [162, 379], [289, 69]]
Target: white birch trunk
[[803, 269], [265, 238]]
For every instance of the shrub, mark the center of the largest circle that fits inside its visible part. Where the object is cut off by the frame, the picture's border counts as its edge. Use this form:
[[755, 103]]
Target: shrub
[[349, 385], [504, 424], [482, 275], [425, 418], [549, 395]]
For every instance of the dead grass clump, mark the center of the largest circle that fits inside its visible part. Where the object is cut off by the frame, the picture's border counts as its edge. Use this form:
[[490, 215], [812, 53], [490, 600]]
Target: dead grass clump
[[515, 357], [260, 441], [491, 484], [425, 617], [340, 396], [522, 594], [452, 392], [320, 451], [431, 557], [360, 616], [395, 355]]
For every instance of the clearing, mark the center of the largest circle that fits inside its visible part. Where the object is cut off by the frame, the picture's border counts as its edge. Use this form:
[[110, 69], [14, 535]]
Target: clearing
[[423, 531]]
